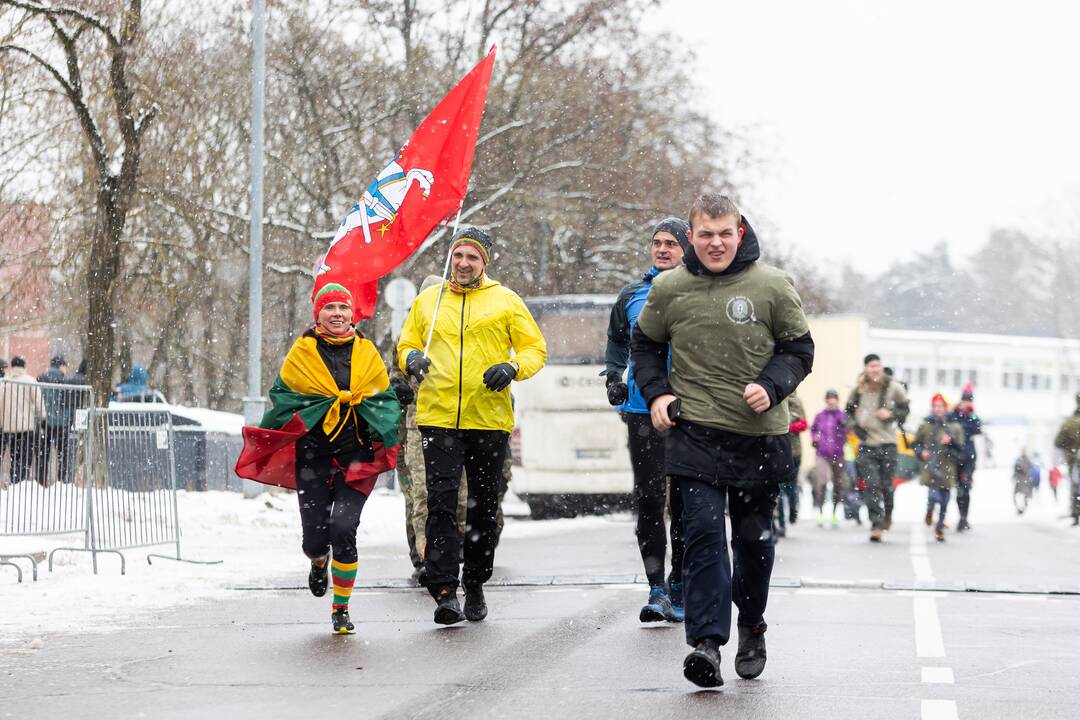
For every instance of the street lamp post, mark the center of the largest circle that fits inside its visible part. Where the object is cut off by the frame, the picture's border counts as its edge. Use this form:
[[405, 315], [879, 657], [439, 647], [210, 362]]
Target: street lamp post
[[253, 401]]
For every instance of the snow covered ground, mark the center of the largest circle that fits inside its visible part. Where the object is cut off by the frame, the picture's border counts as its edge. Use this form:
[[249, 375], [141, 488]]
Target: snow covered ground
[[258, 540]]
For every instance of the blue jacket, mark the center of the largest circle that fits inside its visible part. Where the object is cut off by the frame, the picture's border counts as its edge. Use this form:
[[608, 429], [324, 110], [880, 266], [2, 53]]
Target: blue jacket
[[972, 425], [623, 319]]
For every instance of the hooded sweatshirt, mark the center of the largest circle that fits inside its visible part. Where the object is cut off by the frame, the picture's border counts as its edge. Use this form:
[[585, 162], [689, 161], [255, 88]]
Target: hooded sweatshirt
[[726, 330]]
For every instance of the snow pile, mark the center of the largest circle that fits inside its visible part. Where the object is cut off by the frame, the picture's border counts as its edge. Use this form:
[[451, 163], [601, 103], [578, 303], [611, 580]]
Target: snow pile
[[258, 540]]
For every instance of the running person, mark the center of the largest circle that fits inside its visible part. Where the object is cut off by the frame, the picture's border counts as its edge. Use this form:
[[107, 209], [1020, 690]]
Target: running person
[[331, 429], [828, 435], [739, 346], [646, 444], [939, 444], [877, 406], [964, 414], [464, 413]]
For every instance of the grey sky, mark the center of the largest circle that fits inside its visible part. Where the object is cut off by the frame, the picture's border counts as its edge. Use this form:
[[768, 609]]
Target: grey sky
[[887, 126]]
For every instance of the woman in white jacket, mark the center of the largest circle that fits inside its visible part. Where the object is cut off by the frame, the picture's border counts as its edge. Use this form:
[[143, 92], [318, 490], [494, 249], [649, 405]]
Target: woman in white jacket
[[22, 409]]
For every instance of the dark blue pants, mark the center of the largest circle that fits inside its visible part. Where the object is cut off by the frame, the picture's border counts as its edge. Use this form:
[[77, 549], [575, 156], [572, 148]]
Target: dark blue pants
[[711, 584], [939, 497]]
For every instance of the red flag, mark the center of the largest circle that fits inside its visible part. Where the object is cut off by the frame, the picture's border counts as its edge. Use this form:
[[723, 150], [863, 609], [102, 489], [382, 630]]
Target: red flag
[[418, 189]]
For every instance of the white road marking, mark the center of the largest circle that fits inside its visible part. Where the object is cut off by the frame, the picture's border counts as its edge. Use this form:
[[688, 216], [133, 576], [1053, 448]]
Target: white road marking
[[939, 710], [938, 675], [921, 565], [928, 639]]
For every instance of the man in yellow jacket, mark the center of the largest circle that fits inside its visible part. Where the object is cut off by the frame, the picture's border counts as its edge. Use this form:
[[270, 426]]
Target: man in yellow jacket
[[464, 412]]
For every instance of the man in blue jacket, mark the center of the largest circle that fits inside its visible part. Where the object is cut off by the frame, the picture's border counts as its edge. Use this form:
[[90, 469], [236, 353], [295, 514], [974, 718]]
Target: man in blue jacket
[[669, 241]]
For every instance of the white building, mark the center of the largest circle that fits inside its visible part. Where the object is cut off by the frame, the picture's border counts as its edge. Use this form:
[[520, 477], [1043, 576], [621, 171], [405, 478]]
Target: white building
[[1024, 386]]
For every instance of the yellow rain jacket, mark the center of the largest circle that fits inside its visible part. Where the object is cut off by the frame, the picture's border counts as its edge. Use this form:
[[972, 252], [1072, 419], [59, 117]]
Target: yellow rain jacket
[[475, 330]]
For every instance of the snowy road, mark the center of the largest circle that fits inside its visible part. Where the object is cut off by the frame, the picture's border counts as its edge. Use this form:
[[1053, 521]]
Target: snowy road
[[983, 626]]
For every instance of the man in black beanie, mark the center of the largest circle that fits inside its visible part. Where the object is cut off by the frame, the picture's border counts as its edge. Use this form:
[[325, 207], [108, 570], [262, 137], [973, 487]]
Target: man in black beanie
[[668, 243]]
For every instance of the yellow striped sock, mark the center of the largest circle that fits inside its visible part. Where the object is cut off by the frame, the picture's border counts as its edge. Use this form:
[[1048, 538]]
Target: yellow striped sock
[[344, 575]]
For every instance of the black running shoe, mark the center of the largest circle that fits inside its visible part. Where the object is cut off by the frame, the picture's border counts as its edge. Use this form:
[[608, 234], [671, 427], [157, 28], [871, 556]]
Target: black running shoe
[[750, 659], [475, 605], [316, 579], [702, 665], [342, 624], [448, 611]]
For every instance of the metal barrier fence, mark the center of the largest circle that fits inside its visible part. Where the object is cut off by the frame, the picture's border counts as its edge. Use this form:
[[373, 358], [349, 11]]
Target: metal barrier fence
[[70, 467], [42, 461]]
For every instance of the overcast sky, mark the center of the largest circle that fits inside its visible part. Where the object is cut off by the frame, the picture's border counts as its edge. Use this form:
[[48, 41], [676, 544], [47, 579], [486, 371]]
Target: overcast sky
[[886, 126]]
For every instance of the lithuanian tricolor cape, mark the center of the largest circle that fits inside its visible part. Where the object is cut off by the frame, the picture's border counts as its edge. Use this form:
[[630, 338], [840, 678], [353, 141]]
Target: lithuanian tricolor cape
[[304, 394]]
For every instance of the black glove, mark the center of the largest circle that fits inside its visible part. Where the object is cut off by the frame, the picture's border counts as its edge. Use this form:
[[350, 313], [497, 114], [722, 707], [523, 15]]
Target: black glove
[[498, 377], [417, 365], [403, 390], [617, 390]]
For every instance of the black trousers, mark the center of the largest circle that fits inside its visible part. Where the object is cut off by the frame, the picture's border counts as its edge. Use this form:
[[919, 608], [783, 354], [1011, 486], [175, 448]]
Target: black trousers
[[23, 449], [651, 498], [963, 490], [481, 454], [711, 582], [56, 440], [329, 508]]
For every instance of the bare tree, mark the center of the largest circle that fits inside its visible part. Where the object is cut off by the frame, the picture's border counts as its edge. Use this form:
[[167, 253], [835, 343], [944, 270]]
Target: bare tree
[[113, 144]]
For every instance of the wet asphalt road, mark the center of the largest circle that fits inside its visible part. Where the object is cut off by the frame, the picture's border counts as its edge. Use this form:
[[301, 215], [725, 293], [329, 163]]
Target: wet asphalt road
[[986, 626]]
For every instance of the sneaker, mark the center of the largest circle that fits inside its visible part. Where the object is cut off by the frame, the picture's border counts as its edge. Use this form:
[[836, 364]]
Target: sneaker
[[475, 606], [658, 608], [702, 665], [821, 519], [1076, 521], [888, 520], [750, 659], [448, 611], [939, 535], [963, 525], [929, 519], [780, 531], [793, 516], [316, 579], [875, 535], [342, 624], [678, 609], [835, 521]]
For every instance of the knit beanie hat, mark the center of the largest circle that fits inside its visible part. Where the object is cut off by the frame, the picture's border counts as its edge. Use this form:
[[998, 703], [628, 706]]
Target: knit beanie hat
[[677, 227], [18, 361], [968, 393], [331, 293], [938, 398], [475, 238]]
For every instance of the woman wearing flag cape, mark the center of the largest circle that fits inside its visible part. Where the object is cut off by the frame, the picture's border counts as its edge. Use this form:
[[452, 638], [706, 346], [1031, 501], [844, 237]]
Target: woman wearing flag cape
[[331, 429]]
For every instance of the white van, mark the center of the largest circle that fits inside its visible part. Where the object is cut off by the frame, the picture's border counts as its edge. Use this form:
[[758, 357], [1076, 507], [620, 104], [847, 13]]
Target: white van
[[569, 445]]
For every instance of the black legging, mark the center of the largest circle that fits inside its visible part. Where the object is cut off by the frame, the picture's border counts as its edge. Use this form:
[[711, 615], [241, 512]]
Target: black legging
[[329, 508], [963, 491], [650, 494]]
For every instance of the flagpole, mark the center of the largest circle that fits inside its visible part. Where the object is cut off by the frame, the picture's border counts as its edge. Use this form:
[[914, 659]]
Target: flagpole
[[445, 273]]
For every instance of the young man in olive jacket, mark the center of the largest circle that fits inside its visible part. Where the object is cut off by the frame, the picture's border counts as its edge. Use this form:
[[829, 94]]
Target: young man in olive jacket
[[740, 345], [877, 407]]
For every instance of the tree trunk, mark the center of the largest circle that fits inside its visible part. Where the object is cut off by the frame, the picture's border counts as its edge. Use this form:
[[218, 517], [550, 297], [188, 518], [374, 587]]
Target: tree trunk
[[102, 273]]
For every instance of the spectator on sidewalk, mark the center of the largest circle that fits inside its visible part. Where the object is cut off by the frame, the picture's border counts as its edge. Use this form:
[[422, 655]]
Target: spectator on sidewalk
[[60, 408], [22, 410]]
